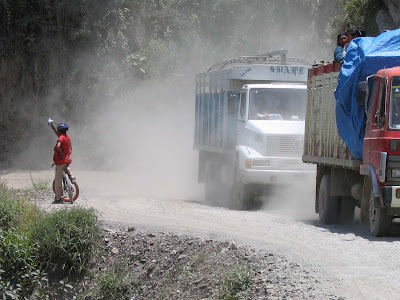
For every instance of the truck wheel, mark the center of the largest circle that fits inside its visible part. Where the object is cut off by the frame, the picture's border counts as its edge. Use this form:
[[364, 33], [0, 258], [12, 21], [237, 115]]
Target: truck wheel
[[346, 210], [328, 205], [242, 194], [216, 190], [211, 183], [380, 223], [364, 205]]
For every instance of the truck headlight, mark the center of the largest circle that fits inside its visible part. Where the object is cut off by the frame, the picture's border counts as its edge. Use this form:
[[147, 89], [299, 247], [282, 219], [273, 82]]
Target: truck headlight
[[395, 172], [395, 145]]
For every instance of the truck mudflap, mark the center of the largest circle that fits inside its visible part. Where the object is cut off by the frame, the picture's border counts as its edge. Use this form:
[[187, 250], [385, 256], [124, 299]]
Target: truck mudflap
[[390, 196], [369, 170]]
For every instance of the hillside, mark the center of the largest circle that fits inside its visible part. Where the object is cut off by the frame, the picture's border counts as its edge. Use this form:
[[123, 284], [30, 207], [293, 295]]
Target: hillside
[[72, 60]]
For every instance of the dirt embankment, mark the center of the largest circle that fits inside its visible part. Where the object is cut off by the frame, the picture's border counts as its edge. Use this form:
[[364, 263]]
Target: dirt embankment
[[152, 264], [167, 266]]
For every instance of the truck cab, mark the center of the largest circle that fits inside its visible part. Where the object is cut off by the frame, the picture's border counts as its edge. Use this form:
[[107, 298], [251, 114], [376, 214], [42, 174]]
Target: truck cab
[[381, 148], [270, 134]]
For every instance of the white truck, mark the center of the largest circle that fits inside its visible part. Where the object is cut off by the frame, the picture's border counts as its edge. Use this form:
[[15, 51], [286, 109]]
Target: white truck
[[249, 126]]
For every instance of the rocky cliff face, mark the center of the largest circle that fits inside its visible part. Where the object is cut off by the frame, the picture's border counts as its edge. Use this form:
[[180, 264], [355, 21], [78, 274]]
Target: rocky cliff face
[[24, 105], [21, 88], [33, 83], [389, 18]]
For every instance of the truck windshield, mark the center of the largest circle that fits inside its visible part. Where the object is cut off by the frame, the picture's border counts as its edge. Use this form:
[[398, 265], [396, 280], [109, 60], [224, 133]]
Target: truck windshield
[[277, 104], [394, 107]]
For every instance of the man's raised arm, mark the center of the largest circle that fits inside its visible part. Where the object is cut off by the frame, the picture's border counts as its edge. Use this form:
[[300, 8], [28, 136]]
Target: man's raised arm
[[50, 122]]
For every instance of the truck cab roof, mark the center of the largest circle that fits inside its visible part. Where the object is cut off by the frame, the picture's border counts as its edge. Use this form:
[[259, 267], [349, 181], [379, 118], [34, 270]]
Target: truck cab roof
[[389, 72], [277, 85]]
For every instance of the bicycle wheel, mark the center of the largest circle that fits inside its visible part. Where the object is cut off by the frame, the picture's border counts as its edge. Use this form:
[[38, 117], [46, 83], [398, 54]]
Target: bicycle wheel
[[65, 197], [68, 187]]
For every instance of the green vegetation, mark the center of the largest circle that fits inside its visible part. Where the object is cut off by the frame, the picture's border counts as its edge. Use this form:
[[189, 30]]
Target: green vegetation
[[66, 240], [117, 283], [15, 211], [100, 50], [240, 279], [33, 243], [81, 57], [39, 184], [361, 14]]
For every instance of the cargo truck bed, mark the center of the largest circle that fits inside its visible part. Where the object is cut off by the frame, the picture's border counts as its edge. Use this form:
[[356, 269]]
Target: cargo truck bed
[[322, 143]]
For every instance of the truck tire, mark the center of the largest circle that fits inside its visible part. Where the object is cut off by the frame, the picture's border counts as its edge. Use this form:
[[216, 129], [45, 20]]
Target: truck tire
[[328, 205], [217, 191], [380, 223], [211, 183], [364, 205], [242, 194], [347, 206]]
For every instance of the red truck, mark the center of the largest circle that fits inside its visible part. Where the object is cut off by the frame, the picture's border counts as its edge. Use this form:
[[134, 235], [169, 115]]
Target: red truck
[[343, 181]]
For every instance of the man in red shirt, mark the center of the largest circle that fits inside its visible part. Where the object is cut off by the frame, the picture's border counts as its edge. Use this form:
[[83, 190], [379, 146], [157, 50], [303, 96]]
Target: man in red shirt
[[62, 156]]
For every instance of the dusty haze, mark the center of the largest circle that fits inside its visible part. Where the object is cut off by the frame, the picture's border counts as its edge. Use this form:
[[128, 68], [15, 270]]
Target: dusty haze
[[148, 134]]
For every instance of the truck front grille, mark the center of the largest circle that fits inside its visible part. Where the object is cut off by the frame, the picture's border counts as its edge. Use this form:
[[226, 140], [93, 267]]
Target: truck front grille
[[285, 145], [290, 164]]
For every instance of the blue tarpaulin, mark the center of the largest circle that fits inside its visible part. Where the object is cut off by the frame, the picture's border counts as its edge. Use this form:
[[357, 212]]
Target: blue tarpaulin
[[365, 56]]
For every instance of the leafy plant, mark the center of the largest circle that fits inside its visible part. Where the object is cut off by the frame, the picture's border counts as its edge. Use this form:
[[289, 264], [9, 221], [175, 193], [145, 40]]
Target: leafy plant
[[361, 14], [67, 239], [19, 270], [10, 210], [15, 211], [114, 284], [238, 280]]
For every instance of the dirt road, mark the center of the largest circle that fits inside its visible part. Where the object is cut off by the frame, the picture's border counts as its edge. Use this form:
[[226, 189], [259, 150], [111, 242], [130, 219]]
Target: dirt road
[[363, 267]]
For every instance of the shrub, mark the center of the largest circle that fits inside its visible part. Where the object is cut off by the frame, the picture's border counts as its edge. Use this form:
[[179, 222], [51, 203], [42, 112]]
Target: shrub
[[19, 271], [114, 284], [15, 211], [10, 209], [67, 239], [238, 280]]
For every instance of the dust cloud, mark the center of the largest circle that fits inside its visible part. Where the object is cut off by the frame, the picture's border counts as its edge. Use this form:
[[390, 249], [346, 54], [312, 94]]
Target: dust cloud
[[147, 136], [295, 198]]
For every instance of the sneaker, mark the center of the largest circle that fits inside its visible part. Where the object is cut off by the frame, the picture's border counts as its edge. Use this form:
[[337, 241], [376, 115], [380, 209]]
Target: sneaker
[[73, 179], [57, 201]]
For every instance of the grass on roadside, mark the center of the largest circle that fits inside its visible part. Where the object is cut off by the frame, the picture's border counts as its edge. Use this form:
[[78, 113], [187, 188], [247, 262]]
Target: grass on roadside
[[67, 239], [238, 280], [39, 184], [20, 274], [33, 242], [16, 210], [116, 283]]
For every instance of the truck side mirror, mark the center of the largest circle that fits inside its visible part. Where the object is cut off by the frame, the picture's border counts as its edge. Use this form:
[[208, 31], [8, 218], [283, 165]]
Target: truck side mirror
[[361, 92], [232, 104]]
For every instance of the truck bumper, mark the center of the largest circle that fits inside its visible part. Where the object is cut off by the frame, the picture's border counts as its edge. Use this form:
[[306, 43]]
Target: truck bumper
[[275, 176], [391, 196]]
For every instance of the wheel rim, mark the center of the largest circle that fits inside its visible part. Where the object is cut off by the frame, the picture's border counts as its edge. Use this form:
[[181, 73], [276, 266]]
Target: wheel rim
[[372, 211], [74, 192]]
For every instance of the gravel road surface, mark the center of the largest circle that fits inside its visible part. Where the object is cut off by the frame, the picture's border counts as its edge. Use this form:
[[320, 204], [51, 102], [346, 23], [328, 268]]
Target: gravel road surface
[[358, 265]]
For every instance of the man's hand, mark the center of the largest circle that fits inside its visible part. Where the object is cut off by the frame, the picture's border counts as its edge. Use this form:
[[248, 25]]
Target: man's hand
[[50, 122]]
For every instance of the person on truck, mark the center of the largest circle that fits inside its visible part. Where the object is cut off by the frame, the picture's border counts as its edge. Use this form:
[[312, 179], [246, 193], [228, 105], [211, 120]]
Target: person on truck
[[351, 35], [339, 50], [61, 157]]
